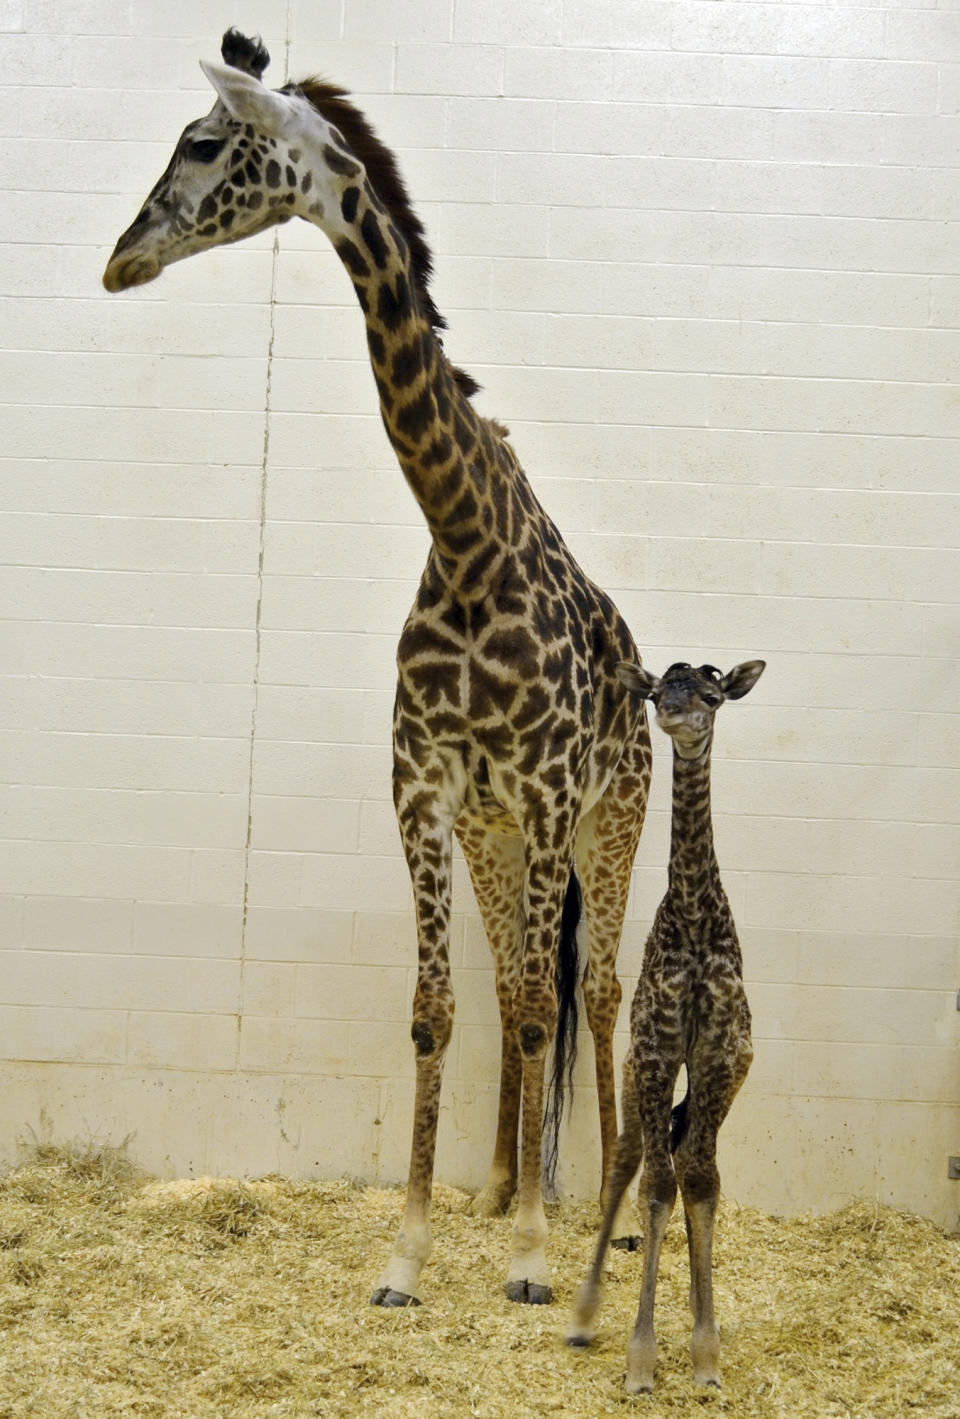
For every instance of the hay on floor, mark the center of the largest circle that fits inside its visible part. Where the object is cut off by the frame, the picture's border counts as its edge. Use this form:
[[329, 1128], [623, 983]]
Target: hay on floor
[[123, 1296]]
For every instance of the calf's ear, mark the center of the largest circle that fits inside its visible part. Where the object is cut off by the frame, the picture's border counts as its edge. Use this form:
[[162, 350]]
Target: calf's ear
[[637, 680], [741, 679]]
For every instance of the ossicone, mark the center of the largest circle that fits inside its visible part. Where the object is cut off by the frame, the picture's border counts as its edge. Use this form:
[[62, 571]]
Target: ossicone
[[249, 55]]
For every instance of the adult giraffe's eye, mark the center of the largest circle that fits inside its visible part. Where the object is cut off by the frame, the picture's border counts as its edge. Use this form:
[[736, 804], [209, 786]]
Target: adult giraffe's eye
[[204, 150]]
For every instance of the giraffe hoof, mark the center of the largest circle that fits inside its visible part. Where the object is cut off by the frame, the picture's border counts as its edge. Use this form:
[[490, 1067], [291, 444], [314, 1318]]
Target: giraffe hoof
[[491, 1202], [639, 1386], [529, 1293], [392, 1299], [628, 1243], [579, 1341]]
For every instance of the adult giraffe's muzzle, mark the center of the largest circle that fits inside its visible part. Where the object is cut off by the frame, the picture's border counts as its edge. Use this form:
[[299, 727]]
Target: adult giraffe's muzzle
[[122, 272], [129, 264]]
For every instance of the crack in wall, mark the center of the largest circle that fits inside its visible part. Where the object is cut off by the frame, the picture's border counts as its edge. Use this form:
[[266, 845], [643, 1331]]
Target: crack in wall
[[258, 637], [257, 641]]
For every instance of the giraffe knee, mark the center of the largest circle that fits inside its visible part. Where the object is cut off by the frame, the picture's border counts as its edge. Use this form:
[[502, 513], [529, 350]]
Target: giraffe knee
[[700, 1183], [423, 1041], [535, 1014], [601, 999], [533, 1041], [430, 1037], [663, 1190]]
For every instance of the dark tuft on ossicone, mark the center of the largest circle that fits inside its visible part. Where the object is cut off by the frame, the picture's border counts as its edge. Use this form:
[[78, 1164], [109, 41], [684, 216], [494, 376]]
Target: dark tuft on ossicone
[[250, 55]]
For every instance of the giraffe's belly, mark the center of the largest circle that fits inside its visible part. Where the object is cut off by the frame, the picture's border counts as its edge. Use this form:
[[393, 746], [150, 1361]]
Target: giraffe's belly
[[486, 801], [487, 813], [503, 825]]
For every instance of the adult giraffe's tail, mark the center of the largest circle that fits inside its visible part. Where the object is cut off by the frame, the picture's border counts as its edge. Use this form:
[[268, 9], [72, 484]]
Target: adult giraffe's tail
[[565, 1041], [679, 1120]]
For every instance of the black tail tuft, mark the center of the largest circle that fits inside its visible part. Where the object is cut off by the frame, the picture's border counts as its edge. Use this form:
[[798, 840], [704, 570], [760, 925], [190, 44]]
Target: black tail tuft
[[679, 1121], [565, 1043]]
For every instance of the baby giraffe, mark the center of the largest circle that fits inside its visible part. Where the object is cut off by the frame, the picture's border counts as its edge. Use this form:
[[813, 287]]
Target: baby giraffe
[[689, 1008]]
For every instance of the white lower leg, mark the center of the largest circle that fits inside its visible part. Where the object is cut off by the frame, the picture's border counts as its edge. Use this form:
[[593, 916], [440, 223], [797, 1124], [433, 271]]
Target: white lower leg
[[641, 1358], [625, 1223], [410, 1252], [705, 1339], [528, 1275], [642, 1345], [581, 1328], [705, 1354], [529, 1260]]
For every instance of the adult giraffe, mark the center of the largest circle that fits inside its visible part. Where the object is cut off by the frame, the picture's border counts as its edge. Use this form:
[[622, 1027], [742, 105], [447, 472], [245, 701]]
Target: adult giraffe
[[511, 728]]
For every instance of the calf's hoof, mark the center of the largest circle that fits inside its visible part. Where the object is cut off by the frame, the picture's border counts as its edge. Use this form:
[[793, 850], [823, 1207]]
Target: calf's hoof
[[492, 1200], [384, 1296], [529, 1293], [639, 1386], [628, 1243]]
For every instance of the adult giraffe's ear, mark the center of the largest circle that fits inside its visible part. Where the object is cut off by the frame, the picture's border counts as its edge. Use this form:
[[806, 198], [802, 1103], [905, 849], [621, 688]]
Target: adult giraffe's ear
[[741, 679], [249, 101], [637, 680]]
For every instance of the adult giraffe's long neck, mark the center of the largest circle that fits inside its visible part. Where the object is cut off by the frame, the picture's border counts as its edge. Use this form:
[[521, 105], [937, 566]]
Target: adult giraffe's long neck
[[694, 874], [262, 156], [455, 462]]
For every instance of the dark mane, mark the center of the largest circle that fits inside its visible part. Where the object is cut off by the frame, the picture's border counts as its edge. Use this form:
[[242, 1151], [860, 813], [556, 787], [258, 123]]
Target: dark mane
[[385, 178]]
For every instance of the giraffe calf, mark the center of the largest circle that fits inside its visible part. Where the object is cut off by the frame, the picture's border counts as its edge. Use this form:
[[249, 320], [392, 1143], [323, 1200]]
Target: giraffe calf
[[690, 1008]]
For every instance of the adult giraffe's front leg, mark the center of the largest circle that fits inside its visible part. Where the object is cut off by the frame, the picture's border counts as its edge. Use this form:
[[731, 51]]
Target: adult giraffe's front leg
[[497, 871], [528, 1276], [427, 840]]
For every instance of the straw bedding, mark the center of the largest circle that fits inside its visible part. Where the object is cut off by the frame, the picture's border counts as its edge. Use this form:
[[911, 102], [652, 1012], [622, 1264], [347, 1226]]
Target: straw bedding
[[123, 1296]]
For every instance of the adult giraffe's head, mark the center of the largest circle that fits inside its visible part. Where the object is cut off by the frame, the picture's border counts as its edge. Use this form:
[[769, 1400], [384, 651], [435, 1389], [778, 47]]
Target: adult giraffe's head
[[261, 156], [232, 173], [686, 698]]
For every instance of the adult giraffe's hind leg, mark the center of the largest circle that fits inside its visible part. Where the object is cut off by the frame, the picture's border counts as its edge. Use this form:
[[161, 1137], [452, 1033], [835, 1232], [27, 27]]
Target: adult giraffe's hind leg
[[497, 870], [606, 847], [528, 1275], [627, 1158], [535, 1014]]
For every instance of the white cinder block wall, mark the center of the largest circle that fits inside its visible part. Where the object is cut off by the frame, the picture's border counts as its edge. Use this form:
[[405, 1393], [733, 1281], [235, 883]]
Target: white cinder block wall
[[704, 258]]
